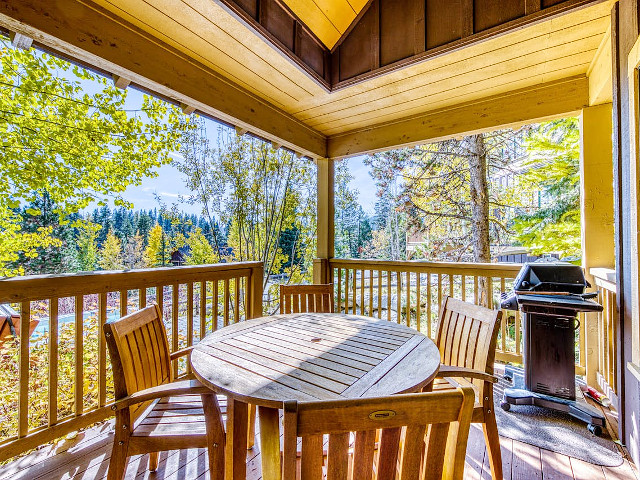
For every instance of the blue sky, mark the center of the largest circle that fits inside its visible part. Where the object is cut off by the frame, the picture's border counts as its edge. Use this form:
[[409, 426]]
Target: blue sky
[[169, 184]]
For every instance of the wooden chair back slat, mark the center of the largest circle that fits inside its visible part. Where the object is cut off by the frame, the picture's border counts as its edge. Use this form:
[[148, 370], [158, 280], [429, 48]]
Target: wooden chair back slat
[[467, 334], [401, 422], [306, 298], [140, 352]]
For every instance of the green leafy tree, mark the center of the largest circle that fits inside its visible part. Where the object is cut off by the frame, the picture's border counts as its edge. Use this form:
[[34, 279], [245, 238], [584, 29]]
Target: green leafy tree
[[257, 192], [549, 220], [155, 254], [133, 253], [77, 147], [87, 248], [110, 257], [200, 250]]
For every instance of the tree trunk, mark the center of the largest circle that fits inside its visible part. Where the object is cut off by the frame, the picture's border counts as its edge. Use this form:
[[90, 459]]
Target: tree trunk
[[480, 210]]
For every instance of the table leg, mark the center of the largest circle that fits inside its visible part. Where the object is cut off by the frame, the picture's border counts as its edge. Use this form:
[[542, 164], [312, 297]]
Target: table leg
[[236, 444], [270, 442]]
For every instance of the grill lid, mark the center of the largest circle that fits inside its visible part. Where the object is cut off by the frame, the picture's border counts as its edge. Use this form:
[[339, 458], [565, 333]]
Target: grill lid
[[550, 277]]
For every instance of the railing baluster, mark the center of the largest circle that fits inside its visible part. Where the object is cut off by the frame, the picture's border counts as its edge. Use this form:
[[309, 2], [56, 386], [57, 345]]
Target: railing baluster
[[503, 323], [102, 350], [78, 356], [408, 308], [53, 361], [190, 305], [429, 304], [439, 291], [346, 290], [203, 309], [214, 306], [142, 298], [123, 303], [23, 400], [370, 293], [463, 287], [451, 285], [339, 288], [379, 274], [398, 296], [355, 294], [175, 305], [389, 295], [225, 307], [418, 301], [475, 289], [236, 300]]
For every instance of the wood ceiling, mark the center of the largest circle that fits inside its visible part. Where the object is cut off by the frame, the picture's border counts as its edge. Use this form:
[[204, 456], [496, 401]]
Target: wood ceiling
[[400, 59]]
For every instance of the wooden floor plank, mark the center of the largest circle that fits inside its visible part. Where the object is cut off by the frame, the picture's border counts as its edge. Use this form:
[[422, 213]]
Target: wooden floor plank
[[555, 466], [89, 459], [526, 462], [506, 451], [586, 471]]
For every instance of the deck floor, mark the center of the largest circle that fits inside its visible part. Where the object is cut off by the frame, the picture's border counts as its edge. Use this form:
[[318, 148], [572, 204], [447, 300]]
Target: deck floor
[[87, 457]]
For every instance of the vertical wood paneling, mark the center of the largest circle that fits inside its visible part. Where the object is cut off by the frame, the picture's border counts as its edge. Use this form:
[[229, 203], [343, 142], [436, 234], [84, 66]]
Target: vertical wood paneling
[[53, 361]]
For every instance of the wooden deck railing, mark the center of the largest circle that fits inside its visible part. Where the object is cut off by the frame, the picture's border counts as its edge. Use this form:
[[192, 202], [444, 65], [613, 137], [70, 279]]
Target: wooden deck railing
[[411, 292], [607, 343], [59, 380]]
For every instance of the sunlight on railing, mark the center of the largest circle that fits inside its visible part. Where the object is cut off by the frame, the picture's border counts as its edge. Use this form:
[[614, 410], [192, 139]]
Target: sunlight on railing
[[58, 379]]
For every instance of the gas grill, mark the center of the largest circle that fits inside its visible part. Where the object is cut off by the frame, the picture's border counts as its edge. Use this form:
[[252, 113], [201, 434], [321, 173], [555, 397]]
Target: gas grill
[[550, 295]]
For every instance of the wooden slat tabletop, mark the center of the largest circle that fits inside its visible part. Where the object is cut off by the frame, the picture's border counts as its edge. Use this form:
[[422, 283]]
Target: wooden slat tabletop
[[314, 356]]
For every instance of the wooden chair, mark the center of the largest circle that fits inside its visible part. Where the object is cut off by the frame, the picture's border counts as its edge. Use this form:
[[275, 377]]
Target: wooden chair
[[153, 412], [401, 423], [466, 337], [306, 298]]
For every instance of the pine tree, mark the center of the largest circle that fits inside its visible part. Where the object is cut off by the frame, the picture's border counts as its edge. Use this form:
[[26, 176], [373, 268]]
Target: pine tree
[[87, 248], [155, 253]]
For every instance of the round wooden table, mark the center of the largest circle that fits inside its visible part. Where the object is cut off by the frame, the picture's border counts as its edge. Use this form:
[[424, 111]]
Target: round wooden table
[[305, 357]]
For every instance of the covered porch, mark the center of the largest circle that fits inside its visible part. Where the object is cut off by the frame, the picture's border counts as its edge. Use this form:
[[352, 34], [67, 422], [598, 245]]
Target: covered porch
[[328, 92]]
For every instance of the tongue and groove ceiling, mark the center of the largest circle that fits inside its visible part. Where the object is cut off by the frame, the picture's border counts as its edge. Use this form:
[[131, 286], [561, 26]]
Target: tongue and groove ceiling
[[328, 69]]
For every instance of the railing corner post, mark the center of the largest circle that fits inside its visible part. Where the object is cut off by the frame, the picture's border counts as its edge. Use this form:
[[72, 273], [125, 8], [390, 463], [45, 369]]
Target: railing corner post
[[321, 270]]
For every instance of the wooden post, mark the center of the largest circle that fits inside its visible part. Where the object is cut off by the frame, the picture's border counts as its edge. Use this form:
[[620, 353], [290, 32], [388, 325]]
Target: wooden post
[[596, 209], [325, 212]]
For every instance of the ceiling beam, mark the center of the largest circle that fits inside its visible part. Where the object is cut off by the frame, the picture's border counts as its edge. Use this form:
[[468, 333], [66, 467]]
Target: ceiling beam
[[94, 36], [520, 107]]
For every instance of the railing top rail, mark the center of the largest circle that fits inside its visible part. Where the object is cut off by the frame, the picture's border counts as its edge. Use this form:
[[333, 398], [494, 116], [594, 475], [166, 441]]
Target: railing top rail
[[605, 278], [497, 269], [36, 287]]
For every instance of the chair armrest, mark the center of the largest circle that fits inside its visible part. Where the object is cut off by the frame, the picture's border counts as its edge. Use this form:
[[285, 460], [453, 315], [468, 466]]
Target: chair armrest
[[449, 371], [167, 390], [180, 353]]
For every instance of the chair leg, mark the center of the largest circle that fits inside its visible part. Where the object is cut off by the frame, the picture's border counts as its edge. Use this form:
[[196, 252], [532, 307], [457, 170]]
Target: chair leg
[[118, 461], [153, 461], [215, 436], [251, 425], [492, 440]]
